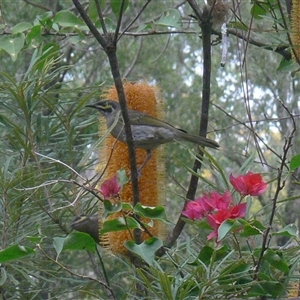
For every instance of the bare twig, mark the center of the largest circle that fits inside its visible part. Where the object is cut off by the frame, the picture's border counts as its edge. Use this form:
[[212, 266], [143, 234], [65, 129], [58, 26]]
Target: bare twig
[[62, 163], [74, 273], [100, 15], [279, 186], [136, 17]]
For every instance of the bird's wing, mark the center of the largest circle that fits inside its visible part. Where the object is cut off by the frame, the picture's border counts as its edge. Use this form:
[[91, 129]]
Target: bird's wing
[[139, 118]]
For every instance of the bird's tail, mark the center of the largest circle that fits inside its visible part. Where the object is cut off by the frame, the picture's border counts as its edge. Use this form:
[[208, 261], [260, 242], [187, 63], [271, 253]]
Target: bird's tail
[[202, 141]]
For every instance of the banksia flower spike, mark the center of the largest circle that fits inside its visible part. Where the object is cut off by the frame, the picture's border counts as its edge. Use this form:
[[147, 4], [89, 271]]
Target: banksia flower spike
[[114, 156]]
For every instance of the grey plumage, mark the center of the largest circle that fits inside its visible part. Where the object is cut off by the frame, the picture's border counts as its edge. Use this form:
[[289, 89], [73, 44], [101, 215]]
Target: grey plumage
[[147, 132]]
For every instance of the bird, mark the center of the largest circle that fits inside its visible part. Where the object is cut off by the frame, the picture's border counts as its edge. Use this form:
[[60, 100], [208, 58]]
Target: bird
[[147, 132], [87, 224]]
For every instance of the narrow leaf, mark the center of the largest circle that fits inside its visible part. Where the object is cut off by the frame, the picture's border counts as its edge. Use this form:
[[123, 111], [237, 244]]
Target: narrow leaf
[[252, 228], [276, 260]]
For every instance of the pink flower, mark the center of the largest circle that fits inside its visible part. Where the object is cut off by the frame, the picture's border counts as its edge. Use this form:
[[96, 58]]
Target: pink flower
[[249, 184], [200, 207], [194, 210], [110, 188], [218, 201], [216, 208], [215, 220]]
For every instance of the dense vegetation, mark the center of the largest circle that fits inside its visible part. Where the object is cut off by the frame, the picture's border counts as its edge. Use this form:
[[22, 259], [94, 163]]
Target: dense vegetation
[[53, 65]]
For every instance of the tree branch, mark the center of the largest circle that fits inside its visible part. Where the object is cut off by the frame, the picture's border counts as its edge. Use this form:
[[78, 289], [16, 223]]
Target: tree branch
[[206, 25], [110, 47]]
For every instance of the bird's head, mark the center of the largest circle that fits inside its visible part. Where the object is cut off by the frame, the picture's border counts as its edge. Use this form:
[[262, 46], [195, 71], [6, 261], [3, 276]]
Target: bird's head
[[106, 107]]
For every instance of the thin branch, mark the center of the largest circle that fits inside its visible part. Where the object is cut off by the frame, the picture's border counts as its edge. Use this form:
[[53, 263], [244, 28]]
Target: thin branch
[[90, 24], [62, 163], [109, 46], [135, 59], [74, 273], [136, 17], [206, 26], [279, 186], [100, 15], [119, 22], [195, 6], [37, 5]]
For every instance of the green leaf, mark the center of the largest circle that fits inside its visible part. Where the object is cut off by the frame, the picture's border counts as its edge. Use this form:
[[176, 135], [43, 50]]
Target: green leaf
[[256, 290], [145, 27], [295, 162], [49, 51], [145, 250], [15, 252], [12, 44], [170, 18], [119, 224], [92, 11], [34, 36], [110, 208], [44, 19], [258, 10], [58, 244], [247, 163], [6, 122], [20, 27], [206, 254], [276, 261], [80, 37], [227, 226], [109, 24], [35, 239], [74, 241], [237, 270], [290, 230], [273, 288], [3, 276], [238, 25], [287, 65], [79, 241], [154, 213], [210, 255], [67, 19], [122, 177], [116, 6], [252, 228]]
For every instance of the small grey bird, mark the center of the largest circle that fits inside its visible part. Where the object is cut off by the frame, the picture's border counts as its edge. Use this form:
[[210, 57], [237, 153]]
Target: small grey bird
[[147, 132]]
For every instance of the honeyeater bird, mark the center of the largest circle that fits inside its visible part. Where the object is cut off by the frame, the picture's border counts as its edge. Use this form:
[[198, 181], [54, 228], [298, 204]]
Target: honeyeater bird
[[147, 132], [87, 224]]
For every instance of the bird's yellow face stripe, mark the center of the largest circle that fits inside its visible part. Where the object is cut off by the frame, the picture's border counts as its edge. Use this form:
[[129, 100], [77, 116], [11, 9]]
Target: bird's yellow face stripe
[[105, 107]]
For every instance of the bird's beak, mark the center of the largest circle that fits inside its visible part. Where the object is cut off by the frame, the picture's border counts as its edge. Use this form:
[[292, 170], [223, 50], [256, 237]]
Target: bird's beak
[[91, 105]]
